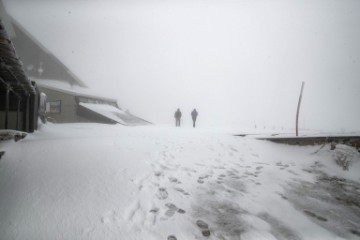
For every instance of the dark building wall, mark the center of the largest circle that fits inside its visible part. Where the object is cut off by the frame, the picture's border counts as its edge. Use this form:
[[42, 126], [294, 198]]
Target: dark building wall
[[71, 111], [68, 109], [18, 111], [12, 120]]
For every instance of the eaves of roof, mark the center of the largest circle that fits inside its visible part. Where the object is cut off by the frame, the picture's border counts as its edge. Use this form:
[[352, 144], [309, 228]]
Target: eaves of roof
[[12, 75], [80, 92]]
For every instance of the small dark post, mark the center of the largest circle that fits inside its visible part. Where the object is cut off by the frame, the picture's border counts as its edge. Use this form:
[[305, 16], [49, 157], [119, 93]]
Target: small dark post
[[32, 112], [18, 113], [298, 109], [7, 107], [25, 113]]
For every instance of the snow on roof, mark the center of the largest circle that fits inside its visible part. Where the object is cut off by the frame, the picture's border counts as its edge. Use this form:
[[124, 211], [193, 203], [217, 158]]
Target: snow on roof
[[70, 89], [106, 110]]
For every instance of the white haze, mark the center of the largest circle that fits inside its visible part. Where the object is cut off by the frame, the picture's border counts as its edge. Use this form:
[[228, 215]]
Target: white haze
[[238, 62]]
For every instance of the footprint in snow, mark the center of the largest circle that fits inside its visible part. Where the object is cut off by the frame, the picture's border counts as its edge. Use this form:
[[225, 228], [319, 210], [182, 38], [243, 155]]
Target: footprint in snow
[[221, 167], [282, 196], [181, 211], [172, 209], [282, 166], [154, 210], [262, 163], [250, 174], [204, 227], [235, 177], [201, 224], [162, 194], [182, 191], [355, 232], [202, 177], [292, 172], [233, 174], [233, 149], [200, 164], [186, 169], [174, 180], [311, 214], [220, 178], [158, 173]]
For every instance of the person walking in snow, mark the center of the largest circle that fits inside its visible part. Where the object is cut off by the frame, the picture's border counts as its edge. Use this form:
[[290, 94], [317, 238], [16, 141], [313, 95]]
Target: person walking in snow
[[177, 117], [194, 115]]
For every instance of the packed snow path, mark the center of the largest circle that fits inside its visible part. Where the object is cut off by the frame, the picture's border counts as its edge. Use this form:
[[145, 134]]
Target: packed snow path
[[89, 181]]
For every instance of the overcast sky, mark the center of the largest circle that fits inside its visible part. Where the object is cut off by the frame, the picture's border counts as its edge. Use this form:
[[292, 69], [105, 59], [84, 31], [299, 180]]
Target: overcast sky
[[238, 62]]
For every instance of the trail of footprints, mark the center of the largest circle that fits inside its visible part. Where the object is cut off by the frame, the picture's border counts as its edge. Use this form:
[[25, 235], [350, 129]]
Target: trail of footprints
[[231, 177], [203, 228], [164, 184]]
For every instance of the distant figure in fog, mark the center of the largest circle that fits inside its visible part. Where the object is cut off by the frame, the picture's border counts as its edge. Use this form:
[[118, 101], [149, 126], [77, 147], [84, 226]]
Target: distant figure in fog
[[194, 115], [177, 117]]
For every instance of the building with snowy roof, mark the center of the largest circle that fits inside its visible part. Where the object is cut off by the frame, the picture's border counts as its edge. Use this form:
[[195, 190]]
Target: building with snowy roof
[[68, 98], [19, 96]]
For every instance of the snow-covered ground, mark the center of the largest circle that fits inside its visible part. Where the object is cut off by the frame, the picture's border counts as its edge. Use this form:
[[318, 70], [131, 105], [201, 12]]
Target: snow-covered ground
[[91, 181]]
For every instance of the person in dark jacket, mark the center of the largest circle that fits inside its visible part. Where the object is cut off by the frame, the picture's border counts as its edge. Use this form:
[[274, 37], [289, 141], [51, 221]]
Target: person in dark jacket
[[194, 115], [177, 117]]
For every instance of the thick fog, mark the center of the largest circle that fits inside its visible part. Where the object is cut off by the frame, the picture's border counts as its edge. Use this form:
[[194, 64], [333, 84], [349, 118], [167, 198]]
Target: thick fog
[[239, 63]]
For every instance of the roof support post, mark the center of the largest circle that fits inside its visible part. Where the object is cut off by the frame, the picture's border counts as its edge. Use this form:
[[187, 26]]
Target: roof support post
[[25, 114], [18, 113], [7, 99], [32, 112]]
